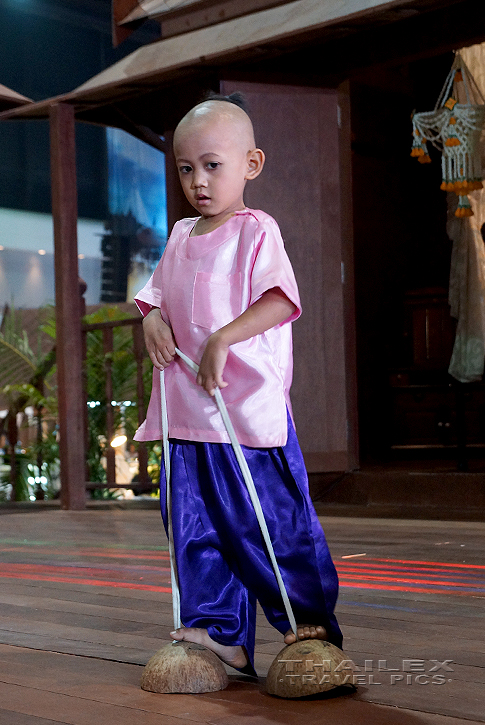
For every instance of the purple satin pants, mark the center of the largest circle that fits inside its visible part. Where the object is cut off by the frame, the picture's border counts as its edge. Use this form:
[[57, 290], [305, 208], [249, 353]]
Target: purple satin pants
[[222, 563]]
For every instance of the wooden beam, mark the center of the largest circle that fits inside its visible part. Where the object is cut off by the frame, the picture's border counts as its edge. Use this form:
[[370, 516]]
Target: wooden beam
[[233, 38], [119, 10], [144, 133], [209, 12], [68, 307], [11, 99]]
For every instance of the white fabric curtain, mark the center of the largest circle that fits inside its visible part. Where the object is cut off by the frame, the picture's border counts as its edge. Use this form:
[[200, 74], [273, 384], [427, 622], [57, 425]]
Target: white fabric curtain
[[467, 274]]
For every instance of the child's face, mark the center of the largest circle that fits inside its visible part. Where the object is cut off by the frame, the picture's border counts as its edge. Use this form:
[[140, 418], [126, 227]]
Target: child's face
[[214, 157]]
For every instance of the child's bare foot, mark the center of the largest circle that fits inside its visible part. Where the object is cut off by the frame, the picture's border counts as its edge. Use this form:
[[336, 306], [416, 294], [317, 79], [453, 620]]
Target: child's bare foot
[[232, 656], [306, 631]]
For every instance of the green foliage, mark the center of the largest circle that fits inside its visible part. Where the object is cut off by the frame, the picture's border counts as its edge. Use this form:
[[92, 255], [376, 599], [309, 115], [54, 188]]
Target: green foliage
[[17, 359], [32, 396], [123, 375], [22, 473], [154, 461]]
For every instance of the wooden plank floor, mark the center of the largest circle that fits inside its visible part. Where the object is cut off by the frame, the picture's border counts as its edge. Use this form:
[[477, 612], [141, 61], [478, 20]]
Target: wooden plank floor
[[85, 601]]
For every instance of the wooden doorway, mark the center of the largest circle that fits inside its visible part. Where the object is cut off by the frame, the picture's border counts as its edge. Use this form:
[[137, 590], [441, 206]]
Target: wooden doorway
[[305, 133]]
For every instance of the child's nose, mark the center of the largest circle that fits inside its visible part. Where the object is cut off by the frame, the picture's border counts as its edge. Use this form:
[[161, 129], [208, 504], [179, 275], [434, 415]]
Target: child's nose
[[198, 178]]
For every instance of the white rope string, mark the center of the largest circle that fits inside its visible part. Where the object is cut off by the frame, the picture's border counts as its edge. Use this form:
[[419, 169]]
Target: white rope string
[[248, 480], [166, 458]]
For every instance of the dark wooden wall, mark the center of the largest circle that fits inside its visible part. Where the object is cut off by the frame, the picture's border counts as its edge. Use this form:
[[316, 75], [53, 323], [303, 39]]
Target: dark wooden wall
[[400, 236], [305, 187]]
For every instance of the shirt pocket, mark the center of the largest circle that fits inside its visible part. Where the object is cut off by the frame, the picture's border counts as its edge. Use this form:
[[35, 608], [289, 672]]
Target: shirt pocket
[[216, 299]]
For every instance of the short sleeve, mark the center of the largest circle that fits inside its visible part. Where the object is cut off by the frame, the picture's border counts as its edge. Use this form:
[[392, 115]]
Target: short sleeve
[[149, 296], [272, 268]]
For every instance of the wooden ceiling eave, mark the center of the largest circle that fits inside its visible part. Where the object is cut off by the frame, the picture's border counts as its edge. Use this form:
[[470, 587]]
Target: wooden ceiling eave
[[11, 99], [167, 66]]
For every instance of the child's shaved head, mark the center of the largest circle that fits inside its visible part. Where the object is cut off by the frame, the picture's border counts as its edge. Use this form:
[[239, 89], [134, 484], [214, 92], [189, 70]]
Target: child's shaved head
[[215, 154], [225, 114]]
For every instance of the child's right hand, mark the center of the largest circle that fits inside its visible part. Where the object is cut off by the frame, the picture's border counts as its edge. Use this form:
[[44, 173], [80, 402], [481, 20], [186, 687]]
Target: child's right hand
[[159, 339]]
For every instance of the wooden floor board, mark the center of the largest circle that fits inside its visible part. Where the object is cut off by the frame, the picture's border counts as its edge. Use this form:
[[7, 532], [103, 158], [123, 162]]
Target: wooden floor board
[[434, 626], [82, 634], [76, 710], [83, 609], [82, 649], [88, 621], [8, 717], [418, 613], [447, 648], [112, 691], [139, 598], [151, 615]]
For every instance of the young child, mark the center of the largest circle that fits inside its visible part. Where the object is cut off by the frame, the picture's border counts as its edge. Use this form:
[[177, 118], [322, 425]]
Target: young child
[[224, 292]]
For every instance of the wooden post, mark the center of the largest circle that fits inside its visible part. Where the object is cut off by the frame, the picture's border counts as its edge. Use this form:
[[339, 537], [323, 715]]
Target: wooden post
[[139, 350], [13, 435], [68, 313], [108, 364]]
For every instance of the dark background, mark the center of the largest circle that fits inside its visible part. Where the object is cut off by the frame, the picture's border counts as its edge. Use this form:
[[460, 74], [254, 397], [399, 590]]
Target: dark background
[[49, 47]]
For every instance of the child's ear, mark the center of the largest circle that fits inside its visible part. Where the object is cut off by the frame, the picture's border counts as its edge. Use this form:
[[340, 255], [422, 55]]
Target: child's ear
[[256, 160]]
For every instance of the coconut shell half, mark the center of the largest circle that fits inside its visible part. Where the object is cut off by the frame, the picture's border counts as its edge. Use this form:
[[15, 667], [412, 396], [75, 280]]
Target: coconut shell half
[[308, 667], [184, 667]]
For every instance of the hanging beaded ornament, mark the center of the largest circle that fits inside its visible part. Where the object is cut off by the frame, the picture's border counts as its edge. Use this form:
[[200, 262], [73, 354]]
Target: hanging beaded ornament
[[455, 129]]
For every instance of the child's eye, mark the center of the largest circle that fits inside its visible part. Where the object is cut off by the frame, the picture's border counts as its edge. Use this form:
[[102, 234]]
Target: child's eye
[[212, 165], [185, 169]]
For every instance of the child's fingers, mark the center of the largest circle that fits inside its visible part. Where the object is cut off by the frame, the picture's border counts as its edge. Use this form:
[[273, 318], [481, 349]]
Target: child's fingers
[[170, 348], [154, 361], [210, 383], [160, 358], [166, 355], [207, 382], [219, 381]]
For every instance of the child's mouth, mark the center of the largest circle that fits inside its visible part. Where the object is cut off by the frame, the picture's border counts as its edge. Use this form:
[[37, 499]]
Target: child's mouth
[[202, 199]]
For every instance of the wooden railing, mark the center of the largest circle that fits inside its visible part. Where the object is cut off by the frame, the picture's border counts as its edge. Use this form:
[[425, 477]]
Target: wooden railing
[[144, 481]]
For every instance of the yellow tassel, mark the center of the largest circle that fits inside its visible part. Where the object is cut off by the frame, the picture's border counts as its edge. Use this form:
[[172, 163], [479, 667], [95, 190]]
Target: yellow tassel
[[452, 141], [424, 159], [475, 185], [463, 212]]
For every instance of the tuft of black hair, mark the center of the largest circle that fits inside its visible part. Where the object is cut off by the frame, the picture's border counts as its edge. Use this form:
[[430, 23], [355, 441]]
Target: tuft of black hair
[[236, 98]]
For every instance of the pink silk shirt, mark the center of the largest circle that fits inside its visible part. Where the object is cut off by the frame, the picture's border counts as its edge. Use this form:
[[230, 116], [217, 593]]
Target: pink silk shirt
[[201, 284]]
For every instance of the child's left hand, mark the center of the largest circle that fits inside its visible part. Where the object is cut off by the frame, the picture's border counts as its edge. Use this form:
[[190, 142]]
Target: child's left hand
[[212, 364]]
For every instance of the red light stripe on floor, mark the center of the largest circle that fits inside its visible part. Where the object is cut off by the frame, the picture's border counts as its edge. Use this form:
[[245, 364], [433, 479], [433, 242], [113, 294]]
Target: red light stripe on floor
[[403, 580], [390, 567], [418, 590], [117, 554], [426, 573], [89, 582], [429, 563], [63, 568]]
